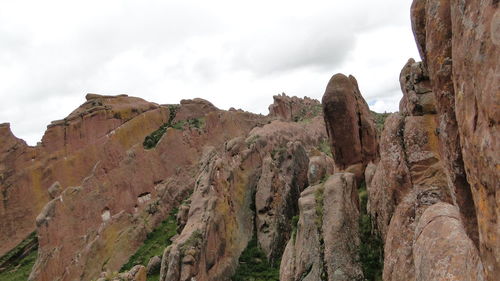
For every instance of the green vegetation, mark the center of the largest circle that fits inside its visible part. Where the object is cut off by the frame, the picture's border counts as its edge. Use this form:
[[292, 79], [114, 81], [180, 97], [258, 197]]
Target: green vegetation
[[153, 277], [308, 112], [319, 196], [193, 241], [253, 265], [252, 140], [155, 243], [379, 120], [16, 265], [295, 223], [153, 139], [324, 146], [371, 248], [278, 153]]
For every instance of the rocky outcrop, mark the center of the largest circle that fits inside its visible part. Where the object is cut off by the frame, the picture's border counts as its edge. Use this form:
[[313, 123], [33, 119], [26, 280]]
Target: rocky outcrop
[[69, 150], [442, 250], [418, 98], [349, 124], [409, 178], [476, 80], [128, 192], [293, 108], [250, 186], [219, 224], [325, 244], [283, 177], [458, 43]]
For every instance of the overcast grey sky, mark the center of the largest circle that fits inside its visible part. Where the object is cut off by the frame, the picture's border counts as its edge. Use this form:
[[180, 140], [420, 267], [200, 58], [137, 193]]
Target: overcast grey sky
[[232, 53]]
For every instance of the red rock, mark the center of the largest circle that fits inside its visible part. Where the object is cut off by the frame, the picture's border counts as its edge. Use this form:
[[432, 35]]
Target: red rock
[[434, 20], [293, 108], [476, 53], [349, 123], [442, 249]]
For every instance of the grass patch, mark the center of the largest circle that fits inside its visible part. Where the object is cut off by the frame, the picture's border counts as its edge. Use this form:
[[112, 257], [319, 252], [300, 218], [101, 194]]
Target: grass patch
[[295, 223], [319, 196], [152, 139], [155, 243], [379, 119], [371, 248], [16, 265], [324, 146], [194, 241], [153, 277], [252, 140], [307, 113], [253, 265]]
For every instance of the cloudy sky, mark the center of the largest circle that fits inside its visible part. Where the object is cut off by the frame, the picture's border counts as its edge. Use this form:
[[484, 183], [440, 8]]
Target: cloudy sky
[[233, 53]]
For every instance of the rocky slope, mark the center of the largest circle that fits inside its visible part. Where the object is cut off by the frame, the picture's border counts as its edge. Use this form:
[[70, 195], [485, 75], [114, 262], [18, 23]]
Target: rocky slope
[[125, 189]]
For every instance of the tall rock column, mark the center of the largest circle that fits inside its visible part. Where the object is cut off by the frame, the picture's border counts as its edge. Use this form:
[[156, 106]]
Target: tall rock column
[[459, 43], [349, 125], [432, 26]]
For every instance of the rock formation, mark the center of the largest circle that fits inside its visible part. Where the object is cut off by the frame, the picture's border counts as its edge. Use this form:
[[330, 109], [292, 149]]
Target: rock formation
[[349, 125], [293, 108], [292, 184]]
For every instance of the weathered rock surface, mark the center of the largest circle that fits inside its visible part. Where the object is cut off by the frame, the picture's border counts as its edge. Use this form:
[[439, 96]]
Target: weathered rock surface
[[219, 224], [283, 177], [418, 98], [293, 108], [442, 249], [325, 246], [320, 166], [458, 42], [476, 79], [409, 177], [349, 124], [128, 192], [69, 150], [272, 163]]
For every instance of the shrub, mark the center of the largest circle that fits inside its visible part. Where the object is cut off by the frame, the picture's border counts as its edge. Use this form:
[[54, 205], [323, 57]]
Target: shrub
[[155, 243], [371, 248], [253, 265]]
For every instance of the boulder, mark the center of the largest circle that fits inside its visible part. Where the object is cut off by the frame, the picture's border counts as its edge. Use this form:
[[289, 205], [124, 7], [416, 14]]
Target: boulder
[[442, 250]]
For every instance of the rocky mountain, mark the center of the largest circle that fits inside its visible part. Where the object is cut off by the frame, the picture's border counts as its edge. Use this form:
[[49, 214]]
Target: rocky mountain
[[125, 189]]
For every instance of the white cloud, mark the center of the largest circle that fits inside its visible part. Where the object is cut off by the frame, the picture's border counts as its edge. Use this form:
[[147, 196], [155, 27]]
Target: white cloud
[[233, 53]]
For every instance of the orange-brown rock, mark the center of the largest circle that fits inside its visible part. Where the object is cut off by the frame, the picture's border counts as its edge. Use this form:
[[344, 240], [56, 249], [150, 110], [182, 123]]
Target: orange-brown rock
[[349, 123], [432, 25], [293, 108], [442, 250], [476, 79], [388, 181], [283, 178], [69, 150], [271, 162], [127, 193], [325, 245], [459, 44], [418, 98]]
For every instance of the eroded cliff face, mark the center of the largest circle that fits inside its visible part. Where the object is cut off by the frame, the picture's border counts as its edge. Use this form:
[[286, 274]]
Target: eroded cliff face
[[458, 41], [68, 152]]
